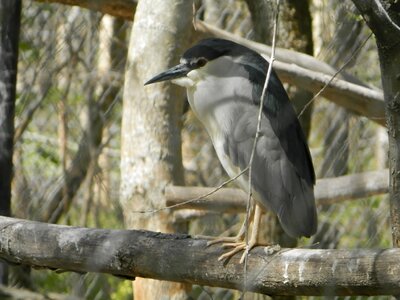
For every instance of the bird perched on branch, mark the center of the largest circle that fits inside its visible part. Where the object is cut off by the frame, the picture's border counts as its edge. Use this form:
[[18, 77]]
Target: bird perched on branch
[[224, 83]]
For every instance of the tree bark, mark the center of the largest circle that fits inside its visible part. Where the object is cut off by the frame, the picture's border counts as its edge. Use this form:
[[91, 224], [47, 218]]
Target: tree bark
[[296, 34], [10, 20], [384, 20], [151, 144], [261, 13], [180, 258]]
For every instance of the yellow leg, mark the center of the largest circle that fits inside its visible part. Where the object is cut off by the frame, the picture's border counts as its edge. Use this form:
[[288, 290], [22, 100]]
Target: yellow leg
[[253, 241], [230, 239], [227, 240], [240, 245]]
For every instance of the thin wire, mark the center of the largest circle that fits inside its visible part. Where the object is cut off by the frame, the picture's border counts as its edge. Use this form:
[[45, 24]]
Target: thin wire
[[250, 165], [334, 75]]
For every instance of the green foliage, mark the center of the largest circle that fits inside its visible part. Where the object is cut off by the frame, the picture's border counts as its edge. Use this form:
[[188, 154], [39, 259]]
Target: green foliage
[[87, 286], [123, 291]]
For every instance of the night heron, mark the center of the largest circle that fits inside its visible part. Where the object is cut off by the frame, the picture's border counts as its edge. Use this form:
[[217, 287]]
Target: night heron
[[224, 83]]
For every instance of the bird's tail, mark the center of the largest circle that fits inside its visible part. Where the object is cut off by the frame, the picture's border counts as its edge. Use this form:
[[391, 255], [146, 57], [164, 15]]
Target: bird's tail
[[298, 216]]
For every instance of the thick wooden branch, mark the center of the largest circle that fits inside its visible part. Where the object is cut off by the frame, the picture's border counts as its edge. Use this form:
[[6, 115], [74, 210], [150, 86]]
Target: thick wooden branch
[[356, 98], [180, 258], [118, 8], [327, 191]]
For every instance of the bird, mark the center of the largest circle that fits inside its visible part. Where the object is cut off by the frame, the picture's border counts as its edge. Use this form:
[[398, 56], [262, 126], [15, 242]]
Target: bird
[[224, 81]]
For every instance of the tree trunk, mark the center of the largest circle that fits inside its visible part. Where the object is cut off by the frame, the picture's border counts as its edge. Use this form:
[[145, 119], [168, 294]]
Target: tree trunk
[[296, 34], [390, 62], [10, 18], [261, 15], [384, 20], [151, 155]]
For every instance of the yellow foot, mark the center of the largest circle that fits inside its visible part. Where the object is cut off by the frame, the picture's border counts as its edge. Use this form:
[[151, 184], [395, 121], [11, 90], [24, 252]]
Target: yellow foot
[[237, 243], [237, 247], [229, 242], [219, 240], [224, 240]]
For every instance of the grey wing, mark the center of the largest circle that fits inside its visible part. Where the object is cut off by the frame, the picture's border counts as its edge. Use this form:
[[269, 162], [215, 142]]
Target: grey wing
[[279, 111], [275, 179]]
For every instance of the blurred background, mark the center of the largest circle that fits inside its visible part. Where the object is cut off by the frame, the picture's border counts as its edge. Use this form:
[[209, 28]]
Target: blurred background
[[68, 119]]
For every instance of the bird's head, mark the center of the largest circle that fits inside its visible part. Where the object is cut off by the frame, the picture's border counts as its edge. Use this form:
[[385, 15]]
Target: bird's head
[[196, 61]]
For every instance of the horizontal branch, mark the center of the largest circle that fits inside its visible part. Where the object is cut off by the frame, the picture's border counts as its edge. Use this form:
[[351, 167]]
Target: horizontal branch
[[118, 8], [7, 292], [356, 98], [327, 191], [173, 257]]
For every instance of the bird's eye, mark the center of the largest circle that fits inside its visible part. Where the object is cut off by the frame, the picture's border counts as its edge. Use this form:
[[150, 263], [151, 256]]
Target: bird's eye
[[201, 62]]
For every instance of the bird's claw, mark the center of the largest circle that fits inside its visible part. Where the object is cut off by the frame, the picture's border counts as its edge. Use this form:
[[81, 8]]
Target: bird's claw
[[234, 242], [238, 246], [224, 240]]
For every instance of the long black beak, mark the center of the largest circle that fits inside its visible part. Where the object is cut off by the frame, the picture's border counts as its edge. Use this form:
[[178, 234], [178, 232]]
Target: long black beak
[[175, 72]]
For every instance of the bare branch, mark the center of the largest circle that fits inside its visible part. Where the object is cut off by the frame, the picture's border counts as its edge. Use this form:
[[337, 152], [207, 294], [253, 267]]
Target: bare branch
[[173, 257], [327, 191], [7, 292], [356, 98], [118, 8]]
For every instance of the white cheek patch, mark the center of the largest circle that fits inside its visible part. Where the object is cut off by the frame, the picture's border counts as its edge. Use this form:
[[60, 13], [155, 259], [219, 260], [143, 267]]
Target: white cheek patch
[[190, 80], [196, 75], [184, 82]]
